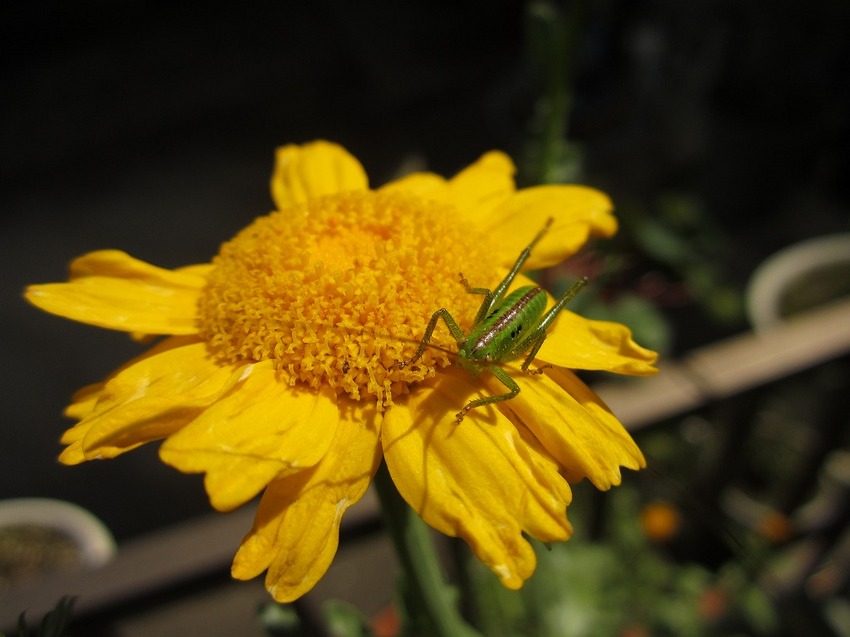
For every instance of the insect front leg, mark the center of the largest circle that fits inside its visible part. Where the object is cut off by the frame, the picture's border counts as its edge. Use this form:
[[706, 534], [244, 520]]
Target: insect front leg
[[493, 297], [454, 328], [486, 292], [506, 380], [500, 290], [486, 304]]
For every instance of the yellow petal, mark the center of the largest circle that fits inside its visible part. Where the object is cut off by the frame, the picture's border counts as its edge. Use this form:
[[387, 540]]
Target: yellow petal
[[578, 213], [262, 429], [482, 187], [424, 185], [149, 399], [198, 269], [83, 401], [313, 170], [111, 289], [580, 343], [296, 531], [575, 426], [73, 453], [486, 479]]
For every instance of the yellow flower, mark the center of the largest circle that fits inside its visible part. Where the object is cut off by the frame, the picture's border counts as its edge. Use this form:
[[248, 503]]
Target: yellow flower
[[277, 371]]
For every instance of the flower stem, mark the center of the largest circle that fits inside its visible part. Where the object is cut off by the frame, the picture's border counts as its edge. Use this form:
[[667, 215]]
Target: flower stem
[[430, 602]]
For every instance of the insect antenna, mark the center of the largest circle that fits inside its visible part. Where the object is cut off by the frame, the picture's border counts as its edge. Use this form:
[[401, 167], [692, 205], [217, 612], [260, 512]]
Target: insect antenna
[[415, 341], [362, 329]]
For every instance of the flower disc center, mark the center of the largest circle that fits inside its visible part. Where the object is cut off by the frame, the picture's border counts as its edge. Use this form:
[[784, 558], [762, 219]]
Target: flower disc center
[[338, 290]]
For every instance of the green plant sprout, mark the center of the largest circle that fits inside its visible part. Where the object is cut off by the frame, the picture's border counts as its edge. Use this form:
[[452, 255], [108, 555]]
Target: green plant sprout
[[506, 327]]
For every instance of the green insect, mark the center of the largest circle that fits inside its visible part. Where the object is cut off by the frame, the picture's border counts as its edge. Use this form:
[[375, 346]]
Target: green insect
[[506, 327]]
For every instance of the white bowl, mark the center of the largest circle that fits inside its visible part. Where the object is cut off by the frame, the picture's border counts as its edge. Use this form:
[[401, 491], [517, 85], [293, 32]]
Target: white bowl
[[93, 539], [778, 274]]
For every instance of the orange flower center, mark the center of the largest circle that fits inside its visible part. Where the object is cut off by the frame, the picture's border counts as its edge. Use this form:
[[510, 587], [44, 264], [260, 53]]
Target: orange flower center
[[338, 290]]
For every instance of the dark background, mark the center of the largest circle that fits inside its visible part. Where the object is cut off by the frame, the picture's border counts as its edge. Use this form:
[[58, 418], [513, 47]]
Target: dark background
[[150, 128]]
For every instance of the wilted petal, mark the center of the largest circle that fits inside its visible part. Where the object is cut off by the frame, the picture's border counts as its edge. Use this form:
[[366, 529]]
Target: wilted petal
[[296, 530]]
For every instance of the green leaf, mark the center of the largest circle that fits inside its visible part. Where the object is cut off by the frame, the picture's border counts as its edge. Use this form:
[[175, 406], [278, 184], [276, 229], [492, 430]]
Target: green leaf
[[53, 624], [344, 620], [281, 620]]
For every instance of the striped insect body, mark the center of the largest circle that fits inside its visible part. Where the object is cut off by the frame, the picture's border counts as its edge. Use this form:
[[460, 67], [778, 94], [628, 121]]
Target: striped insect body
[[507, 327], [498, 337]]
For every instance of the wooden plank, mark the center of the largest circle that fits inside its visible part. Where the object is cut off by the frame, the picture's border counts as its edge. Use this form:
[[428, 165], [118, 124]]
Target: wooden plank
[[732, 366]]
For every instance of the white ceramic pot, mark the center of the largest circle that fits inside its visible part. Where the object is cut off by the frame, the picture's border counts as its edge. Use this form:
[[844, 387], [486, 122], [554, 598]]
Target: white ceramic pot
[[817, 270], [91, 537]]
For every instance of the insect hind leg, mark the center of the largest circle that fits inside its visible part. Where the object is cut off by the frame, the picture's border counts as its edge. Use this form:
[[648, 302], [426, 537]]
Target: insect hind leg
[[506, 380], [536, 343]]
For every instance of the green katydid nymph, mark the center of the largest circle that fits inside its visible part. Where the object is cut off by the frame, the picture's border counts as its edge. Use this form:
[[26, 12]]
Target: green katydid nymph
[[506, 327]]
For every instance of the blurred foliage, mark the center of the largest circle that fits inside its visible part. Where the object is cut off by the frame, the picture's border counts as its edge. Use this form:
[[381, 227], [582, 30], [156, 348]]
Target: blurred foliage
[[53, 624], [620, 586], [739, 527], [550, 37], [670, 251], [338, 619], [281, 620]]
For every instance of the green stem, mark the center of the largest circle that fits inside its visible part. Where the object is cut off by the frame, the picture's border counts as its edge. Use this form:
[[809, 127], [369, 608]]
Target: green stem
[[428, 595], [553, 35]]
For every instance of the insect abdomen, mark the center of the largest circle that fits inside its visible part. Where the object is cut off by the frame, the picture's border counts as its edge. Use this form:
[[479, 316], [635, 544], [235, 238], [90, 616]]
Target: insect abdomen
[[507, 323]]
